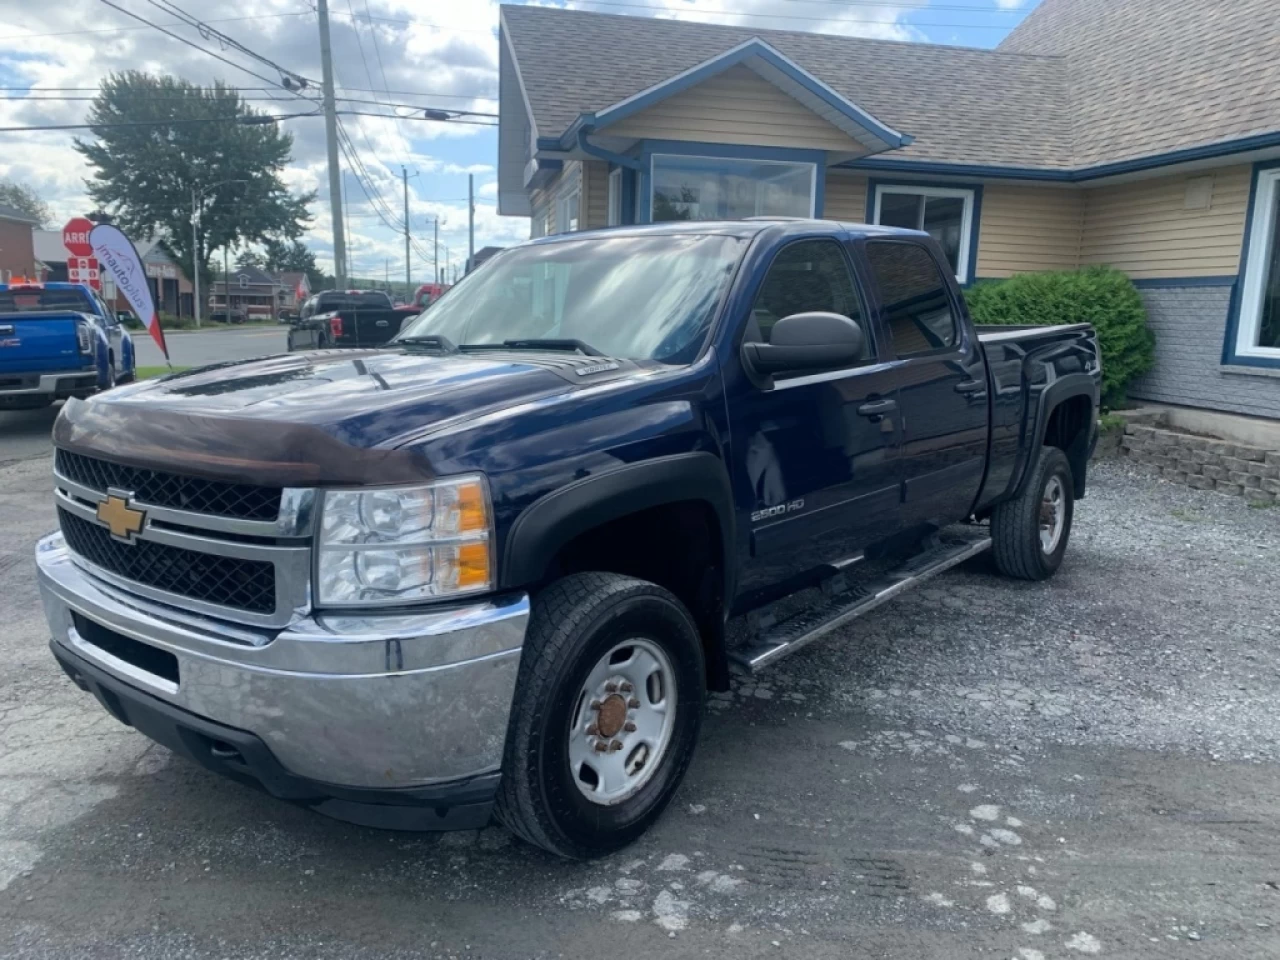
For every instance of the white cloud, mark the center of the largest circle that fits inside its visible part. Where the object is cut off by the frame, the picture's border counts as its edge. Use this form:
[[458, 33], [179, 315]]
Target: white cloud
[[1010, 4], [437, 54]]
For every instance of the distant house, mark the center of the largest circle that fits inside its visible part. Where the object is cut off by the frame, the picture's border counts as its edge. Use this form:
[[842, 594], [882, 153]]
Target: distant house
[[1143, 134], [481, 255], [253, 292], [295, 287], [17, 246], [170, 288]]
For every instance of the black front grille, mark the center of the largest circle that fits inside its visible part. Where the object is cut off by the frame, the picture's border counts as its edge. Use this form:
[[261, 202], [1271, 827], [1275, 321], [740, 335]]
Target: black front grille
[[248, 585], [243, 501]]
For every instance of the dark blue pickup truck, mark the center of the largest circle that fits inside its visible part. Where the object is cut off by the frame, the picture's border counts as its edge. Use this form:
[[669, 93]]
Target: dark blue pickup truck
[[495, 566]]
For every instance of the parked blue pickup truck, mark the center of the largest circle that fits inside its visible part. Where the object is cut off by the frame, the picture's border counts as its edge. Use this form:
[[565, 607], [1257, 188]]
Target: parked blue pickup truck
[[494, 566], [58, 340]]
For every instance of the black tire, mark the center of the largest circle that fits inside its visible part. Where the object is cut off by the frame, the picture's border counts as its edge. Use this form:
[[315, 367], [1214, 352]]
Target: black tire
[[1015, 524], [575, 622], [111, 371]]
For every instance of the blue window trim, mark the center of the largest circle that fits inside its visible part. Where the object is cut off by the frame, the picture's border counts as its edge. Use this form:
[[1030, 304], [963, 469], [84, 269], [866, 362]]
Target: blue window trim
[[975, 224], [1229, 355], [726, 151], [939, 168]]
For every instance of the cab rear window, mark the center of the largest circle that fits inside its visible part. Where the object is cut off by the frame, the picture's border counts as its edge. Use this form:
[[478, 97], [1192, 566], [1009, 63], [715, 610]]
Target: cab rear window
[[43, 301]]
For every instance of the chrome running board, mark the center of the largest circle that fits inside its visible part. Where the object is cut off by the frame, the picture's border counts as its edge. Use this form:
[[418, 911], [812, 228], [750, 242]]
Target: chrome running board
[[861, 595]]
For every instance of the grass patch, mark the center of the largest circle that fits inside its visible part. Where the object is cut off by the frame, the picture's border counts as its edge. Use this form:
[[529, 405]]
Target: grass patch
[[146, 373], [1263, 504], [1109, 422], [1186, 516]]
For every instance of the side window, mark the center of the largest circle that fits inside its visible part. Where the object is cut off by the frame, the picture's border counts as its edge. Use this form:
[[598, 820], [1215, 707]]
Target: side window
[[808, 276], [916, 301]]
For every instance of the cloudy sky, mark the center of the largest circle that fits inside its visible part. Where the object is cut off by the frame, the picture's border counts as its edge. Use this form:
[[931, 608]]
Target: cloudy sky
[[439, 53]]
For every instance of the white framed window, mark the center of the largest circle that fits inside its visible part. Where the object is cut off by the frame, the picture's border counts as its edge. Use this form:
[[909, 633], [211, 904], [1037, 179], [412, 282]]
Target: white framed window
[[945, 213], [567, 213], [1258, 332], [538, 225], [718, 188], [615, 197]]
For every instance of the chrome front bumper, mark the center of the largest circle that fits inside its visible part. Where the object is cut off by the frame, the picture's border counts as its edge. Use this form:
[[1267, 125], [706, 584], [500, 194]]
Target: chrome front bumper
[[378, 701]]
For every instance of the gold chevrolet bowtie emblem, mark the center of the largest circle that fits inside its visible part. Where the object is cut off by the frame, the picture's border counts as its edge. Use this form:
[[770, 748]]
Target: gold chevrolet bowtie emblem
[[121, 519]]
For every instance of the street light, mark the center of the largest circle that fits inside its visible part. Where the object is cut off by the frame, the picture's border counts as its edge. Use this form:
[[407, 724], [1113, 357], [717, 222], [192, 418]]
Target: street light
[[196, 197]]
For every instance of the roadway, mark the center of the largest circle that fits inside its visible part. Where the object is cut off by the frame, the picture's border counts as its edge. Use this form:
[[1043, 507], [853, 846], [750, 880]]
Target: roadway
[[24, 434]]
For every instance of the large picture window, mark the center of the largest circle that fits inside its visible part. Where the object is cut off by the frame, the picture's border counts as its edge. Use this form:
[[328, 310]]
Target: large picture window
[[1258, 334], [716, 188], [945, 213]]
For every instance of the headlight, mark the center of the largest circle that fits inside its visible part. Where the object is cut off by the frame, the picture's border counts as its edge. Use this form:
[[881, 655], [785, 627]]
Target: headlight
[[404, 544]]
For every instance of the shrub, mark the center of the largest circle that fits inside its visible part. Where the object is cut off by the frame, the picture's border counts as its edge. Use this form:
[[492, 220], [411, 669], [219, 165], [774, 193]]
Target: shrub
[[1102, 296], [169, 322]]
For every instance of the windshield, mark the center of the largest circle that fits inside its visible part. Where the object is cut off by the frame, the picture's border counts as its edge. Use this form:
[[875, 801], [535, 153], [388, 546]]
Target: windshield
[[38, 300], [635, 298]]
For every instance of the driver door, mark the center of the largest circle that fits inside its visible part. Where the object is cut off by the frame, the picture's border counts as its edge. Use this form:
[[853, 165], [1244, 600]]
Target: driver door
[[817, 454]]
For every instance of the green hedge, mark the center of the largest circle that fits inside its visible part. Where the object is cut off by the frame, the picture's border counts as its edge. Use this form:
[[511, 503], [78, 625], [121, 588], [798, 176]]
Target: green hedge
[[1102, 296]]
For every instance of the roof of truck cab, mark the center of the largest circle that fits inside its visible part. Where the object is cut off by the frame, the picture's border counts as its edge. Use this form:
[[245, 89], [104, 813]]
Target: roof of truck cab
[[734, 228]]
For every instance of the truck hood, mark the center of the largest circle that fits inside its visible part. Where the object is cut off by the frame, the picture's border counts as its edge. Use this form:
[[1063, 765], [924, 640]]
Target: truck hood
[[332, 417]]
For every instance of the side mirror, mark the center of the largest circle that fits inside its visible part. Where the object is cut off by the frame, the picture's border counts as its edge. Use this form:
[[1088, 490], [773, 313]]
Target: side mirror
[[806, 341]]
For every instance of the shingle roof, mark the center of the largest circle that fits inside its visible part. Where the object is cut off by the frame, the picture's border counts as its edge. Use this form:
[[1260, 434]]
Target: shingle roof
[[960, 104], [10, 212], [1078, 83], [1150, 76]]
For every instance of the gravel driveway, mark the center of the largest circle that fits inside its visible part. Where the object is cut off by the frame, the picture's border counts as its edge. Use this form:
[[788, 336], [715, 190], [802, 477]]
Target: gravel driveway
[[985, 769]]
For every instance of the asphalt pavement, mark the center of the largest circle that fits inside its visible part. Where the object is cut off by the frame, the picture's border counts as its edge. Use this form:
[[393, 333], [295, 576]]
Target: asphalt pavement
[[215, 345], [984, 769], [25, 433]]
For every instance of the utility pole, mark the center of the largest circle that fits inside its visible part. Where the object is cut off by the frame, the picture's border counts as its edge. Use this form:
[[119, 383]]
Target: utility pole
[[444, 276], [404, 175], [195, 255], [471, 218], [437, 251], [226, 283], [331, 136]]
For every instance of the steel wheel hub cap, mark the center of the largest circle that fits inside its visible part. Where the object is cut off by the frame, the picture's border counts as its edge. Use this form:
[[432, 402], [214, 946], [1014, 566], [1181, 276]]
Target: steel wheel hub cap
[[622, 722], [1053, 514]]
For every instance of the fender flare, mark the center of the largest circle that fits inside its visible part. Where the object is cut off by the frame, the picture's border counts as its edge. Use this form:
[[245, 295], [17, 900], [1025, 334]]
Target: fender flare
[[1076, 385], [557, 518]]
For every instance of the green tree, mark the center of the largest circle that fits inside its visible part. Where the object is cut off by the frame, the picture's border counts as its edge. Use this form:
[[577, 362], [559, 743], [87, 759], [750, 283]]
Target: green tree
[[251, 258], [26, 200], [296, 257], [179, 140]]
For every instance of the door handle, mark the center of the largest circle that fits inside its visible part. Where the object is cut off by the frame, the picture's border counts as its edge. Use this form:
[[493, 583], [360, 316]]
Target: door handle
[[382, 323], [876, 408], [968, 386]]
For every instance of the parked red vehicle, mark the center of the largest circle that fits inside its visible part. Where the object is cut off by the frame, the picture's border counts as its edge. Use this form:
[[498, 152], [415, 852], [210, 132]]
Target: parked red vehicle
[[429, 293]]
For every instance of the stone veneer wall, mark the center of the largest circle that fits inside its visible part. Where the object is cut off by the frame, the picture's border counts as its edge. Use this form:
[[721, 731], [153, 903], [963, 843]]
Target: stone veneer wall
[[1206, 464]]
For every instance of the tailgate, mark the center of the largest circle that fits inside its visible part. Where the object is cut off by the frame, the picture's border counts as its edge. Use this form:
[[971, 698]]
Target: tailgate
[[39, 343]]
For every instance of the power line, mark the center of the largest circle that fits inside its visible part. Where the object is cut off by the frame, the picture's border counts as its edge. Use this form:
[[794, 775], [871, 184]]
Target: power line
[[75, 33], [207, 32], [181, 39], [389, 116], [394, 93], [377, 49], [284, 99], [271, 118]]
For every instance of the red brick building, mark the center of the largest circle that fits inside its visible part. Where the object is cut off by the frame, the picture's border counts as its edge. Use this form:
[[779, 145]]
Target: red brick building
[[17, 248]]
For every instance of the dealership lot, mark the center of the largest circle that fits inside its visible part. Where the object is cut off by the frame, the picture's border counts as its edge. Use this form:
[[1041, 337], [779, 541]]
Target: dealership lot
[[1089, 766]]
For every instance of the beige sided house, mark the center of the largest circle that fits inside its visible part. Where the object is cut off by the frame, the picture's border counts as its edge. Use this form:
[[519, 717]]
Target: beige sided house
[[1144, 134]]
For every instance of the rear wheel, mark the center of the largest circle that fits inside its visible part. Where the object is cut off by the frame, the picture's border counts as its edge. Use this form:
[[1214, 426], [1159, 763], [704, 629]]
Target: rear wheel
[[606, 714], [1030, 533]]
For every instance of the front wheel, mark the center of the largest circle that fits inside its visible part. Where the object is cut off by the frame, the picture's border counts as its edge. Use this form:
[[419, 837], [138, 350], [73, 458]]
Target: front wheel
[[606, 714], [1029, 533]]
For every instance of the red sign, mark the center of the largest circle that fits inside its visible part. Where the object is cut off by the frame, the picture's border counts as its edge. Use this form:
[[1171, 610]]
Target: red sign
[[75, 237], [84, 270]]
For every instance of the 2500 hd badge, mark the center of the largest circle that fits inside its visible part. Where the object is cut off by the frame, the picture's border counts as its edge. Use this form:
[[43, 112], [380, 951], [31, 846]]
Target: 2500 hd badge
[[778, 511]]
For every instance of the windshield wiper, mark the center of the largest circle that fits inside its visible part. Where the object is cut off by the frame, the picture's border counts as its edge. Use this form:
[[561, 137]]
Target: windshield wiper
[[433, 341], [554, 344]]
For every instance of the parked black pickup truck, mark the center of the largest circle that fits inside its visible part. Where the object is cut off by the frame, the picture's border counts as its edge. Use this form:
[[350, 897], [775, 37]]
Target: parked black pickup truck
[[347, 318], [491, 567]]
